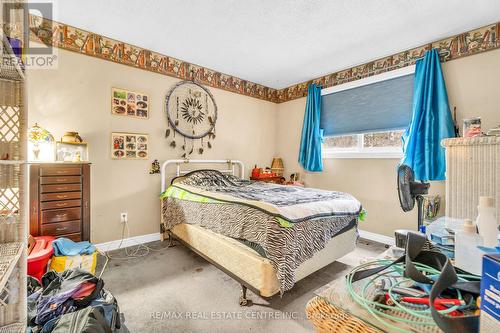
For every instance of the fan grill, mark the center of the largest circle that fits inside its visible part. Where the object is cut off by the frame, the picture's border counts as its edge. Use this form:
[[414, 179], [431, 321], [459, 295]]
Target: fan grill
[[405, 178]]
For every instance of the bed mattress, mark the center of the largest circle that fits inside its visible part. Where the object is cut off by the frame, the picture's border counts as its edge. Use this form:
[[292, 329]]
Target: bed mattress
[[251, 267], [289, 224], [285, 248]]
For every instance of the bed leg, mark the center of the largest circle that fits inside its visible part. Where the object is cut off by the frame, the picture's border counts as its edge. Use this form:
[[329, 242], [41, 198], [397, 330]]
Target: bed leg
[[244, 301], [170, 238]]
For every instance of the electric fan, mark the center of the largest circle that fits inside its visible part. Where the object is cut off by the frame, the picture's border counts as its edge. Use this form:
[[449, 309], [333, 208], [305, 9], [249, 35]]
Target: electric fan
[[409, 190]]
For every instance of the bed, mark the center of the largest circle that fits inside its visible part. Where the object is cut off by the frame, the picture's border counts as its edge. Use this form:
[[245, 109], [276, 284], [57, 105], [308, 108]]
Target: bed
[[252, 231]]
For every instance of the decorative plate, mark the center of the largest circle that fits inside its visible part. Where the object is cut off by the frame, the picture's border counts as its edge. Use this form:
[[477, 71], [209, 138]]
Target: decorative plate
[[191, 110]]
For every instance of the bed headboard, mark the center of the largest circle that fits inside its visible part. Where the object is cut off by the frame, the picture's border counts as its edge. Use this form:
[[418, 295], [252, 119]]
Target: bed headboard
[[231, 168]]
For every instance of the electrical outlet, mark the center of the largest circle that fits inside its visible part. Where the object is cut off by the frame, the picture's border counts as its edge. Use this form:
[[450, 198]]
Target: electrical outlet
[[123, 217]]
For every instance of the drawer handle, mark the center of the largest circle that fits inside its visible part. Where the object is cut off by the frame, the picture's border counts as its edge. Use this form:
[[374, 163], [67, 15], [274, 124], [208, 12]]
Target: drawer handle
[[61, 204], [61, 196], [62, 180], [61, 215], [62, 188], [61, 172], [61, 228]]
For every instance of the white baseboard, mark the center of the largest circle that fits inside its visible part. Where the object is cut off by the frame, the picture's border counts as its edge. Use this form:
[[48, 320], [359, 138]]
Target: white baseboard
[[127, 242], [376, 237]]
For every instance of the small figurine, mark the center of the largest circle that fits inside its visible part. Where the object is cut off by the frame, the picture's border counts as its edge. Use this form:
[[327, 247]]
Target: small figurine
[[294, 180], [155, 167], [256, 172], [77, 158]]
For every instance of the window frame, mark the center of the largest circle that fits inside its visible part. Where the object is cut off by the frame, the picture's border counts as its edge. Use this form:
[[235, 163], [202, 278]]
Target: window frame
[[360, 151]]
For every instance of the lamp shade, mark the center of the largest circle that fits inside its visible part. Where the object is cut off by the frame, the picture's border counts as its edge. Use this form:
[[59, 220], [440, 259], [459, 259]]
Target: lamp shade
[[40, 144], [277, 165], [37, 134]]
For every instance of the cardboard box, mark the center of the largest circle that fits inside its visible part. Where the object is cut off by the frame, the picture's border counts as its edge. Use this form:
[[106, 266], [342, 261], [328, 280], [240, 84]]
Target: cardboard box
[[490, 294]]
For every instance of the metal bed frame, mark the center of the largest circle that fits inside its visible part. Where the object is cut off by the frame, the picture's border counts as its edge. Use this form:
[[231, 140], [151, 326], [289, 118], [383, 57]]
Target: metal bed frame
[[231, 169]]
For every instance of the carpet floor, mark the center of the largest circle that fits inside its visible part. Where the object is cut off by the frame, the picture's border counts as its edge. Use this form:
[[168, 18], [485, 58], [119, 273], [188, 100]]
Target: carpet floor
[[175, 290]]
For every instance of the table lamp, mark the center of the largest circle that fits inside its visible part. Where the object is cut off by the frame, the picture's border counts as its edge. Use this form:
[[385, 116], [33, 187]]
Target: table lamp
[[38, 136], [277, 166]]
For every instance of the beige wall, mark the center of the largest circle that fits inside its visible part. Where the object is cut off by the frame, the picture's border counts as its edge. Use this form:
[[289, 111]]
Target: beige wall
[[76, 97], [473, 87]]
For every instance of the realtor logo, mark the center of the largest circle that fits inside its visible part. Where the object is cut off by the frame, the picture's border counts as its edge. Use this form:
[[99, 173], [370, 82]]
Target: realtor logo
[[19, 19]]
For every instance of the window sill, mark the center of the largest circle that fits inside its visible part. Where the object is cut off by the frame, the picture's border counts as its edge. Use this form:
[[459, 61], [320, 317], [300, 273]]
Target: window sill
[[329, 154]]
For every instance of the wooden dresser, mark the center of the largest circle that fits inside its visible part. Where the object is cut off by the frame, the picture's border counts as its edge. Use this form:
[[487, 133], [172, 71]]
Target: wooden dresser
[[60, 200]]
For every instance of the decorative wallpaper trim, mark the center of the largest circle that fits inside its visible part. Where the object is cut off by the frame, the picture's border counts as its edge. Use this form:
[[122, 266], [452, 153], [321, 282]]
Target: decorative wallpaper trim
[[84, 42], [77, 40], [468, 43]]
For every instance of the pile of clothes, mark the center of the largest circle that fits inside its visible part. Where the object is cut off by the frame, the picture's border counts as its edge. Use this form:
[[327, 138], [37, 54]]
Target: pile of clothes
[[73, 301], [69, 254]]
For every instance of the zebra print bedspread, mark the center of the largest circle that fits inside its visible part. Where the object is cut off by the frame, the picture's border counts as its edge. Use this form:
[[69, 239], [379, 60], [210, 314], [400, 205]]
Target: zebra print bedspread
[[291, 203], [286, 248]]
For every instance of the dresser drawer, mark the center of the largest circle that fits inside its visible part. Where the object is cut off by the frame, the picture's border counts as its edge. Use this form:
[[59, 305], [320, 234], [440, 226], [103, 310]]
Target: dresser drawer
[[60, 188], [61, 180], [60, 200], [60, 204], [61, 228], [77, 237], [60, 171], [61, 215], [60, 196]]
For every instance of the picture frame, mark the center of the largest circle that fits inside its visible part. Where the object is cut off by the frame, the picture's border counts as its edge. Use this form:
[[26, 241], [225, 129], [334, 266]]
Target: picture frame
[[472, 127], [129, 146], [127, 103], [68, 151]]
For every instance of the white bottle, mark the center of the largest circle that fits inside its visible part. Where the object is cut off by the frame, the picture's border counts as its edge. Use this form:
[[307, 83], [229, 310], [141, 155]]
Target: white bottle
[[467, 255], [486, 221]]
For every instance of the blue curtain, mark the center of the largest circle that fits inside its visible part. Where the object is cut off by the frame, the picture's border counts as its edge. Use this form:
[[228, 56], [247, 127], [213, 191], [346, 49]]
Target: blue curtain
[[310, 143], [431, 121]]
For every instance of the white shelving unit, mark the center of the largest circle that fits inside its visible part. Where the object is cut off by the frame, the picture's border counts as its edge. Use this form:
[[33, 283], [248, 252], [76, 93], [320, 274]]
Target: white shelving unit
[[13, 225], [2, 162], [9, 257]]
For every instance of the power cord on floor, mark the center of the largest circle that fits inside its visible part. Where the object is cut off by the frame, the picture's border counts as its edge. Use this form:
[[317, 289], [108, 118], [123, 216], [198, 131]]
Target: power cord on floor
[[391, 315], [139, 250]]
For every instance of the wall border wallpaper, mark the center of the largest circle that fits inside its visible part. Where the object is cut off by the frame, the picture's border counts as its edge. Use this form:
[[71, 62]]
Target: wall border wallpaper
[[77, 40], [468, 43], [84, 42]]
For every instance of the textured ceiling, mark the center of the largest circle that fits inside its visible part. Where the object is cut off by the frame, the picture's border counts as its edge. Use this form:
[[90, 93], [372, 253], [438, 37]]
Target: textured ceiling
[[277, 43]]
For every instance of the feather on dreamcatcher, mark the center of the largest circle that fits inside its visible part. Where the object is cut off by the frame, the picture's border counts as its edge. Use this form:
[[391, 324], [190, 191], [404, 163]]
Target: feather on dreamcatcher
[[191, 113]]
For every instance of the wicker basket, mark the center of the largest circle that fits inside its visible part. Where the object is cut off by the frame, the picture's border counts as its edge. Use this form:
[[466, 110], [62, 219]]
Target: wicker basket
[[328, 318], [13, 328]]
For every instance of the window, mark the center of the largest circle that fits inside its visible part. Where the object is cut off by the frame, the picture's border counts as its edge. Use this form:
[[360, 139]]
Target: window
[[367, 118], [376, 145]]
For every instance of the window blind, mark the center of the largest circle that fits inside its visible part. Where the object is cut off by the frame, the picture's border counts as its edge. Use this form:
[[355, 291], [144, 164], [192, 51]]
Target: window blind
[[375, 107]]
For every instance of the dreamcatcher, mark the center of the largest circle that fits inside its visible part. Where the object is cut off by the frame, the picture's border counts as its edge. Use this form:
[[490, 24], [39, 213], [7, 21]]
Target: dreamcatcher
[[191, 113]]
